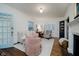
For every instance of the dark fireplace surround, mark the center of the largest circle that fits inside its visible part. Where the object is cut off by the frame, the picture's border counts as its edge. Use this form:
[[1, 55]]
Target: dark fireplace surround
[[76, 45]]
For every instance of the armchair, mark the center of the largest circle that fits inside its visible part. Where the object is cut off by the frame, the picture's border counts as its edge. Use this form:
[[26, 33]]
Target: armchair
[[48, 34], [32, 44]]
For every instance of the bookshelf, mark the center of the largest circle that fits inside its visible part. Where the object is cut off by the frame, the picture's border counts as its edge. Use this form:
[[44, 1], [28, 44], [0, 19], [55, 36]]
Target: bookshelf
[[61, 29]]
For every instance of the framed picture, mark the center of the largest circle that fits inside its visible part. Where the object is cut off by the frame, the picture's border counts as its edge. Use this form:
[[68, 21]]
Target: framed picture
[[30, 25]]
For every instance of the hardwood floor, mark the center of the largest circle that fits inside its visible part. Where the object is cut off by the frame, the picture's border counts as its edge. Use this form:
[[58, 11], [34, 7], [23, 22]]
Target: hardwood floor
[[11, 52], [56, 49]]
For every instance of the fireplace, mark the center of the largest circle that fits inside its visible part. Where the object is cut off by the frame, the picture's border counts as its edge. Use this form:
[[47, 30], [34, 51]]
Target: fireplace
[[76, 45]]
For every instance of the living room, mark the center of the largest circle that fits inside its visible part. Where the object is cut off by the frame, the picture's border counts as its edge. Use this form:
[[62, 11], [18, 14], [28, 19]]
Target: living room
[[39, 17]]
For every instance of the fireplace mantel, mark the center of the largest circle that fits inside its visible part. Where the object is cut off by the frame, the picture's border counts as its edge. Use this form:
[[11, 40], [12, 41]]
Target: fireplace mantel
[[76, 45], [75, 21], [76, 33]]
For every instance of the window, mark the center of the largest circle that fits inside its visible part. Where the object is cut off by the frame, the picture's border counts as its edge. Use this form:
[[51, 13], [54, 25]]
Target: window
[[5, 31]]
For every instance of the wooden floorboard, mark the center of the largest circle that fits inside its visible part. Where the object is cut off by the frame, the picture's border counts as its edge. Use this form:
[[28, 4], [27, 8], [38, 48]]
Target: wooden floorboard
[[11, 52], [56, 49]]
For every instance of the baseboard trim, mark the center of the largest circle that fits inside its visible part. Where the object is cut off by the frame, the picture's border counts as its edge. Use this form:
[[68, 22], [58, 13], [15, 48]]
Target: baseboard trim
[[18, 43]]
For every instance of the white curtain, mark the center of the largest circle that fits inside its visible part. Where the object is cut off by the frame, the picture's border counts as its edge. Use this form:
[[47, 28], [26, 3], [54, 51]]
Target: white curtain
[[6, 30]]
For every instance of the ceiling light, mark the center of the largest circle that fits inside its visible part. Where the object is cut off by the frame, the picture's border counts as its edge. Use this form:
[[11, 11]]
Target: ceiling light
[[41, 10]]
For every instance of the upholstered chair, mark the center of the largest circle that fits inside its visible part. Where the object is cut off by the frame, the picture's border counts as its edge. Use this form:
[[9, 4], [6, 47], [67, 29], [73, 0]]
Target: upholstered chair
[[32, 44]]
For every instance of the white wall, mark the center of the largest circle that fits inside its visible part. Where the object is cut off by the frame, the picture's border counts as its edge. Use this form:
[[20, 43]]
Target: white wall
[[19, 19], [71, 13]]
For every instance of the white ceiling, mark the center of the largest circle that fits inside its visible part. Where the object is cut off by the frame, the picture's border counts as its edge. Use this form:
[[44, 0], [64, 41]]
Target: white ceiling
[[50, 9]]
